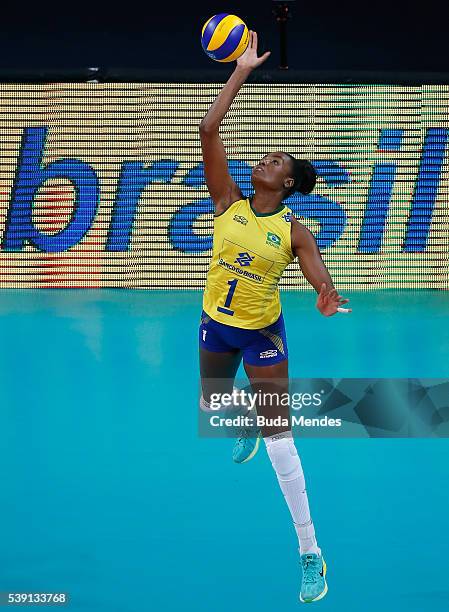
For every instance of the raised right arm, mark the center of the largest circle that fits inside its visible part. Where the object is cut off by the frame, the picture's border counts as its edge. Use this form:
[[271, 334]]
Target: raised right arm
[[222, 188]]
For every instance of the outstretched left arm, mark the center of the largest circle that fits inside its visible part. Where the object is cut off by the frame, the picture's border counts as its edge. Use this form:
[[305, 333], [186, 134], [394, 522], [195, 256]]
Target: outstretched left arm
[[304, 246]]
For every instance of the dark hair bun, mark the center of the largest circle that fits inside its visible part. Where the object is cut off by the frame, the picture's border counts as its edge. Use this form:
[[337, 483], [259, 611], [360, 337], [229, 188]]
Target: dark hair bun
[[307, 177]]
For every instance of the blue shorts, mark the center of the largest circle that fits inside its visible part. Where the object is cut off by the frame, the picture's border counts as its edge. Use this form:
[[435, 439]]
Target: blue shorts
[[260, 347]]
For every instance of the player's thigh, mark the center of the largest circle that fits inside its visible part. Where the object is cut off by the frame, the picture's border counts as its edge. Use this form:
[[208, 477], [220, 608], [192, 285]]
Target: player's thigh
[[271, 385], [218, 370]]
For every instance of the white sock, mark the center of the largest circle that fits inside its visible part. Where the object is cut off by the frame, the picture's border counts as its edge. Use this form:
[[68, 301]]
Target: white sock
[[306, 538], [235, 408], [287, 465]]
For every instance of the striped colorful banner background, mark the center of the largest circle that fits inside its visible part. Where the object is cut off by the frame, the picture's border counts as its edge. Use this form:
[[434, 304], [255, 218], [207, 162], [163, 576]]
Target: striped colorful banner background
[[379, 211]]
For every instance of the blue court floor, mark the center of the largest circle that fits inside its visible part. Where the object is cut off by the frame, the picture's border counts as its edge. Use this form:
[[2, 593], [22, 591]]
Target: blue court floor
[[109, 494]]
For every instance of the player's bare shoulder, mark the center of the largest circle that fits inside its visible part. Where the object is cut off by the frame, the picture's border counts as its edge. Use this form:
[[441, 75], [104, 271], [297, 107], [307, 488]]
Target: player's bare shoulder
[[301, 235]]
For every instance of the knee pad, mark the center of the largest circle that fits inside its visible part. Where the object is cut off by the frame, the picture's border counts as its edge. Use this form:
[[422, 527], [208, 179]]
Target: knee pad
[[285, 459]]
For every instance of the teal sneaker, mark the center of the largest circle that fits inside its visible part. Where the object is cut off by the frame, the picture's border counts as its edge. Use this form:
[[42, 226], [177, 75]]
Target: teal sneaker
[[314, 586], [245, 446]]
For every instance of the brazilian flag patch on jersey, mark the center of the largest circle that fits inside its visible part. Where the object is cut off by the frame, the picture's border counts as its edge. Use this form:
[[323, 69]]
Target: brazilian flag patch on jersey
[[273, 240]]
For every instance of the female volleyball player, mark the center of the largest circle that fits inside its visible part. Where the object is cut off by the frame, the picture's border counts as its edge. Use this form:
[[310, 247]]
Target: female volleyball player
[[254, 240]]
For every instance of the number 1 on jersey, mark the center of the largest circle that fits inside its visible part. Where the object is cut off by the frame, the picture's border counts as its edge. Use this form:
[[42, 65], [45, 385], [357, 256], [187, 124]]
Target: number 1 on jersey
[[226, 310]]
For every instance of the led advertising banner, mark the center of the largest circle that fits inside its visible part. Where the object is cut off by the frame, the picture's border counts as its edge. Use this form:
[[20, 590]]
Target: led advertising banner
[[102, 185]]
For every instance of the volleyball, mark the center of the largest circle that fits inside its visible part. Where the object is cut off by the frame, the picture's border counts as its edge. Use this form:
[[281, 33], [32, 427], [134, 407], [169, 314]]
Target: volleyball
[[224, 37]]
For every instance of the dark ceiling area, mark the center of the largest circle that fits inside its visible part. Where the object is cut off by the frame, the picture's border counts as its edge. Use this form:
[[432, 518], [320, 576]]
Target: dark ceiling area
[[342, 35]]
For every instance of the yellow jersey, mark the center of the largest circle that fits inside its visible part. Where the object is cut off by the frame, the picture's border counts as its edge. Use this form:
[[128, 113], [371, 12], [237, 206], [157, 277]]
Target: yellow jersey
[[250, 253]]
